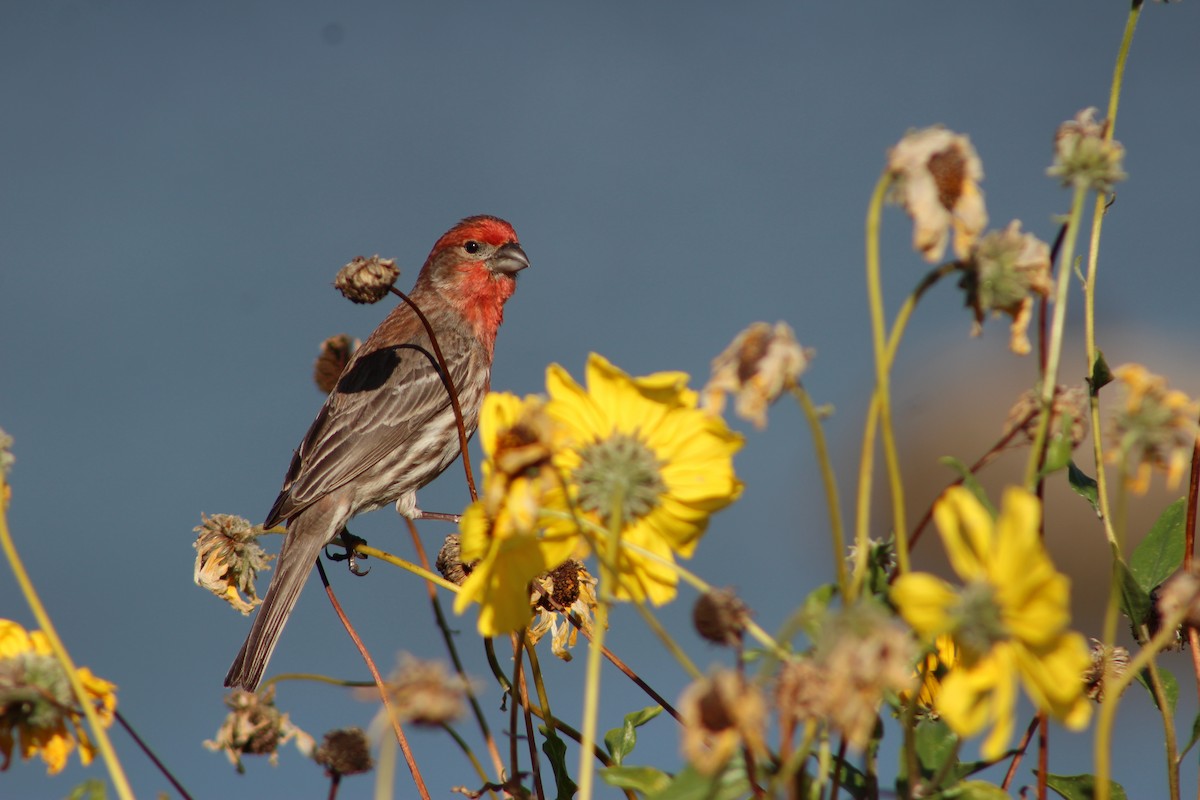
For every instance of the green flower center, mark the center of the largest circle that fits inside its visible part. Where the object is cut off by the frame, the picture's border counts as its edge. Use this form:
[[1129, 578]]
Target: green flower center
[[620, 469], [35, 693], [979, 622]]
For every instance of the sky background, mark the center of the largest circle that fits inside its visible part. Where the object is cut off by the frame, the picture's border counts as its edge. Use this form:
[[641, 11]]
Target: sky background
[[180, 182]]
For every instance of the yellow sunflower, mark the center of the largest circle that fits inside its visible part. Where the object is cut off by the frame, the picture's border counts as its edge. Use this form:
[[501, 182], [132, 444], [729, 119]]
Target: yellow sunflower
[[37, 705], [641, 449], [502, 532], [1009, 622]]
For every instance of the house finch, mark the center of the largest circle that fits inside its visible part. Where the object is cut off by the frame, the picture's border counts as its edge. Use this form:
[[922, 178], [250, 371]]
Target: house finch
[[388, 427]]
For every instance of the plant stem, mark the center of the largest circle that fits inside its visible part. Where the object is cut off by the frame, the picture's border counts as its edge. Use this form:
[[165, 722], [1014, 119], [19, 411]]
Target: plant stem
[[829, 479]]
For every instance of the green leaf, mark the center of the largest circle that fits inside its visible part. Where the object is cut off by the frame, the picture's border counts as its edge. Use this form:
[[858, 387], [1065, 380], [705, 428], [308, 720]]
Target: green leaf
[[1058, 450], [1170, 688], [729, 784], [935, 743], [976, 790], [1135, 601], [646, 780], [1101, 375], [969, 481], [91, 789], [621, 741], [556, 752], [813, 610], [1081, 787], [1084, 485], [1160, 554], [1195, 737]]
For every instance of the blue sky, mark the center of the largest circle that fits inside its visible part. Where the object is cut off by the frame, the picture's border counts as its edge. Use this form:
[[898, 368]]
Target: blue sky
[[181, 182]]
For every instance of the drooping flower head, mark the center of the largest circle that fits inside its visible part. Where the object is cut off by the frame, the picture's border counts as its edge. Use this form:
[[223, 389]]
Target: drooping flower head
[[760, 364], [1006, 271], [721, 714], [229, 558], [936, 178], [504, 543], [1009, 621], [38, 709], [1086, 155], [254, 726], [640, 452], [1155, 429], [367, 280]]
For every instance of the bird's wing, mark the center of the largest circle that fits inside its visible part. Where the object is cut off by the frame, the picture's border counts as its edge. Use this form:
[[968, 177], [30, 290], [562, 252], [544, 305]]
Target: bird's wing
[[381, 402]]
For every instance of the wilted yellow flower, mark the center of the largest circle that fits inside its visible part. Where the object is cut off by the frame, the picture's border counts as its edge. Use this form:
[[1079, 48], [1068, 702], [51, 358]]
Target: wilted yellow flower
[[1156, 428], [721, 714], [1009, 621], [229, 558], [255, 727], [38, 708], [761, 363], [367, 280], [936, 175], [1006, 271], [503, 541], [571, 588], [423, 692], [1082, 156], [331, 361], [639, 449]]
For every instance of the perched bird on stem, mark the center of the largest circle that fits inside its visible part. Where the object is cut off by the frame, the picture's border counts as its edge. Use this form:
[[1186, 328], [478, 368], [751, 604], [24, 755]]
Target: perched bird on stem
[[388, 427]]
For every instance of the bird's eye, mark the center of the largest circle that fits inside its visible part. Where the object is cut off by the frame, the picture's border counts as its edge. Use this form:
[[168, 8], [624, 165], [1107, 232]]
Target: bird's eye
[[471, 247]]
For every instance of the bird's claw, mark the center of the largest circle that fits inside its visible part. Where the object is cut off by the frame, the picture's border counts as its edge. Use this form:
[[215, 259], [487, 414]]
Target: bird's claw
[[349, 541]]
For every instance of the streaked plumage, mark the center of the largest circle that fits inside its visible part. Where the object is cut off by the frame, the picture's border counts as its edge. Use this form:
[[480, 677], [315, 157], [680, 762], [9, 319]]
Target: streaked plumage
[[388, 428]]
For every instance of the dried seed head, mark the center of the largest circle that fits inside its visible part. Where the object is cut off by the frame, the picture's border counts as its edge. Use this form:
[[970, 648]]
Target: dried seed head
[[720, 617], [1006, 270], [366, 280], [1085, 156], [449, 562], [229, 558], [720, 714], [335, 354], [1069, 407], [1108, 664], [760, 364], [345, 751]]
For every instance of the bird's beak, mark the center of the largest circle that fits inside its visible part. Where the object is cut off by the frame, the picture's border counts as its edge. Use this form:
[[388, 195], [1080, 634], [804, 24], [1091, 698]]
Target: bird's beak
[[509, 259]]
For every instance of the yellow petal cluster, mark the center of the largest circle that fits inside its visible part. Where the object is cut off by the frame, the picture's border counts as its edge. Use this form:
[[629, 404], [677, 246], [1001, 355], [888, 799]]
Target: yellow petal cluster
[[1009, 621], [36, 703], [693, 452]]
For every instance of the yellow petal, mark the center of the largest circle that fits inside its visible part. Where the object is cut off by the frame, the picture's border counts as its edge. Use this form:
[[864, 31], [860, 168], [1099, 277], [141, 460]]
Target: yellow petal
[[966, 529], [924, 601]]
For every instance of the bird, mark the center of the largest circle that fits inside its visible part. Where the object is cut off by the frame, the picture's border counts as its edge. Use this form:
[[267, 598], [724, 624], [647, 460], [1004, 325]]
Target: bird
[[388, 428]]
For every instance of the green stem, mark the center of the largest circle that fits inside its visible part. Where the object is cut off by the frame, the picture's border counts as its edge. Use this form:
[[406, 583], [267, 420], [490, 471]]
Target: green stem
[[591, 696], [668, 641], [99, 735], [416, 569], [882, 367], [1057, 329], [1108, 706], [1164, 710], [836, 530]]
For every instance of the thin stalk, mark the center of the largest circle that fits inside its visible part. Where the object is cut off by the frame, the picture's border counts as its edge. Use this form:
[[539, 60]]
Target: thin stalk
[[1057, 329], [829, 480], [116, 772], [591, 697], [882, 368]]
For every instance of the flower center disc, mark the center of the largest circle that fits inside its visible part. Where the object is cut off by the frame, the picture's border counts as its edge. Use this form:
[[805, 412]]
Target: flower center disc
[[620, 468]]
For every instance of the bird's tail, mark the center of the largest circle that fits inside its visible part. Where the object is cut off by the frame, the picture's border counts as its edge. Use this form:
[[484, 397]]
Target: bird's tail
[[307, 534]]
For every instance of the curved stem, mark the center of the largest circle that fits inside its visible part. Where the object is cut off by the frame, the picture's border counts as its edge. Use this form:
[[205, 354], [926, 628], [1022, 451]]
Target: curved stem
[[882, 368], [829, 480], [115, 771], [591, 697], [1057, 329]]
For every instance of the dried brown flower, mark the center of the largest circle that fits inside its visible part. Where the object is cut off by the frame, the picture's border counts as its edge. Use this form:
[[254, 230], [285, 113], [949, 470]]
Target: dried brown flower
[[1108, 664], [424, 692], [720, 714], [720, 616], [229, 558], [449, 561], [760, 364], [335, 354], [367, 280], [255, 727], [1006, 270], [936, 178], [345, 751], [569, 587], [1069, 406], [1155, 429], [1083, 155]]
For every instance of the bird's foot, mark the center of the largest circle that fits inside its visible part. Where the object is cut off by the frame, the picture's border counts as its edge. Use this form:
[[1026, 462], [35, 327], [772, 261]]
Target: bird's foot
[[349, 541]]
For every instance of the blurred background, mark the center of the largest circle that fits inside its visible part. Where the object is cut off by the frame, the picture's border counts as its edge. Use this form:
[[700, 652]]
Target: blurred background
[[180, 183]]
